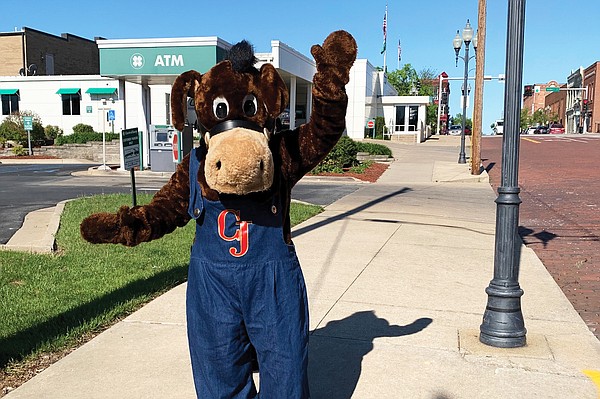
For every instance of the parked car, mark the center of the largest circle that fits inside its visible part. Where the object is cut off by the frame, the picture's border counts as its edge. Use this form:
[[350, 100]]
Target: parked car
[[530, 130], [499, 126], [283, 121], [541, 130], [556, 128], [455, 130]]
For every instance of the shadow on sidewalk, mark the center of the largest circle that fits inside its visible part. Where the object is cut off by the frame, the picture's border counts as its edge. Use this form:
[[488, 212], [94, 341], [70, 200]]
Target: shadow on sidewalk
[[542, 236], [351, 212], [336, 351]]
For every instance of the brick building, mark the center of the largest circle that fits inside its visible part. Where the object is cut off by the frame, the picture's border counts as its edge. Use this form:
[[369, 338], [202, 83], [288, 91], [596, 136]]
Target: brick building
[[556, 104], [591, 110], [32, 52], [534, 96]]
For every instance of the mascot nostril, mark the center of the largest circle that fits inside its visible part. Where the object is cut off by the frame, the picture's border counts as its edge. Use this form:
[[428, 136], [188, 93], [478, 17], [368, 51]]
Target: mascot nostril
[[243, 256]]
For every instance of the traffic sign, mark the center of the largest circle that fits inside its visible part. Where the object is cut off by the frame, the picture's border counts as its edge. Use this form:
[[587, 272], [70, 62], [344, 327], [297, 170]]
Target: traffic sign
[[111, 114], [553, 89], [28, 123], [371, 124]]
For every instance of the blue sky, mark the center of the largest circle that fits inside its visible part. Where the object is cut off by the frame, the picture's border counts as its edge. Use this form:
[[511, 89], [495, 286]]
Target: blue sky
[[559, 35]]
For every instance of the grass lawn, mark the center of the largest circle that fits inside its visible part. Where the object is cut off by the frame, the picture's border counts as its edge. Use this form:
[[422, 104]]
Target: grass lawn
[[49, 302]]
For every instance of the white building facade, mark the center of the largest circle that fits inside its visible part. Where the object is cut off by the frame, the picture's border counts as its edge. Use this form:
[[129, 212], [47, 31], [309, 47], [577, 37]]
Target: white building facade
[[370, 95], [133, 89]]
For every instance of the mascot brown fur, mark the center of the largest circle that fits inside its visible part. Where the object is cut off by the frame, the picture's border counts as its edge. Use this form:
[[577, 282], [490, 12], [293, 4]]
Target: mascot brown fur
[[240, 159]]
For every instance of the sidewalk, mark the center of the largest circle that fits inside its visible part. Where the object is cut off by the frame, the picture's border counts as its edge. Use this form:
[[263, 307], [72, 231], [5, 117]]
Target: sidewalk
[[396, 274]]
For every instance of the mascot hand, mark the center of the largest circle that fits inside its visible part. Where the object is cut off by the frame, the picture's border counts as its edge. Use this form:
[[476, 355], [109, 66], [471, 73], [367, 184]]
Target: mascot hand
[[336, 55], [110, 228]]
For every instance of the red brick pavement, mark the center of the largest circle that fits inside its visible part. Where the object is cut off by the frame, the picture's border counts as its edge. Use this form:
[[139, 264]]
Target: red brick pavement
[[559, 177]]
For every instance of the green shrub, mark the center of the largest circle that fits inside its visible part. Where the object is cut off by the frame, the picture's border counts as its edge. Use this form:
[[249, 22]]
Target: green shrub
[[19, 150], [373, 149], [52, 132], [83, 128], [361, 167], [9, 130], [82, 138], [342, 156], [12, 128]]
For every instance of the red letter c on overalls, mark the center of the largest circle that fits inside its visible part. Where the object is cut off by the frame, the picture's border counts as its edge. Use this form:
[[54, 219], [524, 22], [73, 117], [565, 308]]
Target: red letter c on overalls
[[241, 234]]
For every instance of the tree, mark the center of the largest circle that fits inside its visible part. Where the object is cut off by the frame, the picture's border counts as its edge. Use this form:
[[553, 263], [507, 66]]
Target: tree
[[12, 128], [539, 117], [525, 121], [457, 120], [403, 80]]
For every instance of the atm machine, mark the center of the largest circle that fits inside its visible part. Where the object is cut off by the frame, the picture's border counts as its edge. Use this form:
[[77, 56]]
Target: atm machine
[[161, 148], [162, 158]]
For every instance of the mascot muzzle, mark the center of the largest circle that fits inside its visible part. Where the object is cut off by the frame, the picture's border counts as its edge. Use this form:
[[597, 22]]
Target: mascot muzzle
[[239, 160]]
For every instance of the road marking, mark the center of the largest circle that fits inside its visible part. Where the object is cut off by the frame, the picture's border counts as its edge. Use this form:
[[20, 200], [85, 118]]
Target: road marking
[[595, 377], [532, 140]]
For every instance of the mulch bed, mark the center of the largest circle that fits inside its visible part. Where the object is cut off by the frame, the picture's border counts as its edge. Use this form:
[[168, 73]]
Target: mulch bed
[[371, 174]]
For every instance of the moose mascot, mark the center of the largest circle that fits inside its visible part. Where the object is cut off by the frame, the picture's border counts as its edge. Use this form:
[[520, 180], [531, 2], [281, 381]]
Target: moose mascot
[[246, 299]]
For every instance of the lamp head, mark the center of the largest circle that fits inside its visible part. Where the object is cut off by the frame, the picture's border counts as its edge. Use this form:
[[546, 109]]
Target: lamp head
[[467, 33], [457, 42]]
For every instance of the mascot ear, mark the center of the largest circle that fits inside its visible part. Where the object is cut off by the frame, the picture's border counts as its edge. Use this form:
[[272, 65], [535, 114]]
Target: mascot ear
[[274, 90], [185, 86]]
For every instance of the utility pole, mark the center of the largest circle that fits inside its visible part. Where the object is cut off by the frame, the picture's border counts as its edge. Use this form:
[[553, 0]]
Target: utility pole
[[478, 101]]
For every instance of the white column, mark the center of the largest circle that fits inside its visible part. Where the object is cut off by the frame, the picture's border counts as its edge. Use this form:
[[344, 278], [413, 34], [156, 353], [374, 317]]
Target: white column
[[292, 102], [308, 101]]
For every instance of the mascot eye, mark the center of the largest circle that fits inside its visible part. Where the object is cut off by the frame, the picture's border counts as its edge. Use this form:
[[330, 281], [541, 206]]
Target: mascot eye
[[220, 107], [250, 105]]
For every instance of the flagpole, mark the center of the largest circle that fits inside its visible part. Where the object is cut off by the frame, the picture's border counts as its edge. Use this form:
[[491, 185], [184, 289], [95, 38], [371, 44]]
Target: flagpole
[[385, 38], [399, 53]]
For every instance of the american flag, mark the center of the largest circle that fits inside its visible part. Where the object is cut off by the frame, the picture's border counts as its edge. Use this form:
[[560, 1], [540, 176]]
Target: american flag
[[399, 51], [384, 30]]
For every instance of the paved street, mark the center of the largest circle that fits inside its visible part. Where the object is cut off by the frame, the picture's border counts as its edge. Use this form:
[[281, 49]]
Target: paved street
[[560, 213], [28, 187]]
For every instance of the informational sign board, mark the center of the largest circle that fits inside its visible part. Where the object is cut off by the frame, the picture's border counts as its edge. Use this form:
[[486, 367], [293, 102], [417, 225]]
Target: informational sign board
[[111, 114], [131, 148], [28, 123]]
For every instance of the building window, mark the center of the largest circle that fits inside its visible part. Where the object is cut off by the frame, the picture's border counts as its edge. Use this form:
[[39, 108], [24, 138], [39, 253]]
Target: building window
[[10, 103], [71, 104]]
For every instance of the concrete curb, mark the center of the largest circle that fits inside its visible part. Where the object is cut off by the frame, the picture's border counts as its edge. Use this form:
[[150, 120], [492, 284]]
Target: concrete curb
[[9, 161], [38, 233]]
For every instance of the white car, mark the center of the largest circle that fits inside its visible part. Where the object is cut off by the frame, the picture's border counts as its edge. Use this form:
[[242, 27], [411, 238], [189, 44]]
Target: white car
[[455, 130]]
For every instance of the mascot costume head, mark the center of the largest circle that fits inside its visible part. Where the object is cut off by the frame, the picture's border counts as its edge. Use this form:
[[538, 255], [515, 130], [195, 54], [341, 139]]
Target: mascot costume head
[[246, 299]]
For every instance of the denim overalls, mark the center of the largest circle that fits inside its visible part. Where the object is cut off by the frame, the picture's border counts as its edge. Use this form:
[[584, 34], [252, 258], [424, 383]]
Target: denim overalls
[[245, 287]]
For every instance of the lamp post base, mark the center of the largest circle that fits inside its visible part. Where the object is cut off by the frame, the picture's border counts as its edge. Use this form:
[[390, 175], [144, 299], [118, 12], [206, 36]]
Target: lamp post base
[[503, 323], [462, 158], [104, 167]]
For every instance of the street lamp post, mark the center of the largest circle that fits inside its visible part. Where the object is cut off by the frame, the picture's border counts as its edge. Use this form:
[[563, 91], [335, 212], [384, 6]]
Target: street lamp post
[[503, 323], [467, 36]]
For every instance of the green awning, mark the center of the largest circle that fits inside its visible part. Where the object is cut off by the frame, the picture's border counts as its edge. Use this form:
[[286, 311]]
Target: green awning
[[68, 91], [9, 91], [101, 90]]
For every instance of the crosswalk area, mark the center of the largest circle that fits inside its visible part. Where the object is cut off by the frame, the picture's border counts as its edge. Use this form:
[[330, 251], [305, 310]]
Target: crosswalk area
[[573, 138]]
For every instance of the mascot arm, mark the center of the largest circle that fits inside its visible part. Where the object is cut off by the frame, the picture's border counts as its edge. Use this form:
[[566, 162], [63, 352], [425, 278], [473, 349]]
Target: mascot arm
[[307, 145], [132, 226]]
